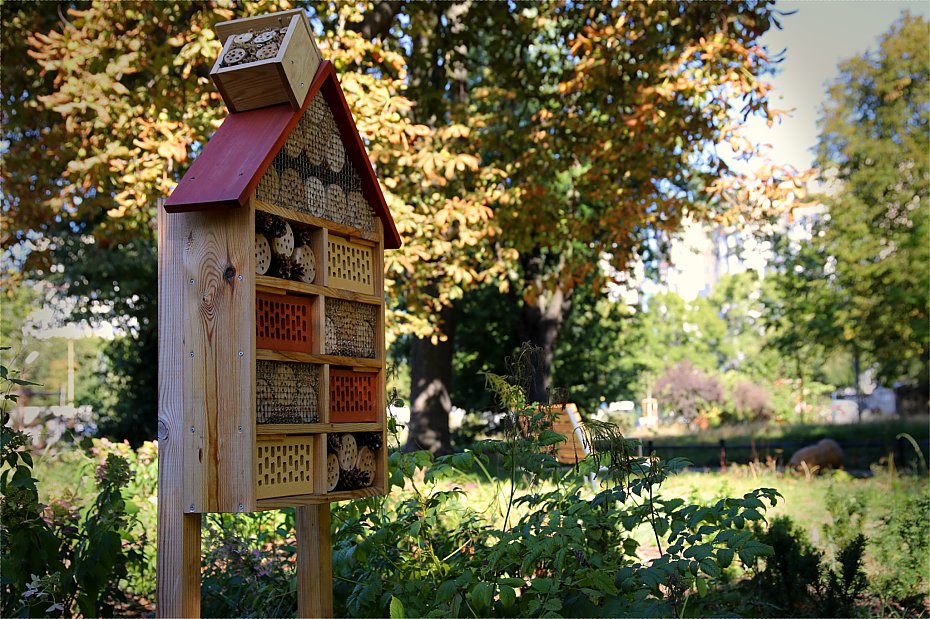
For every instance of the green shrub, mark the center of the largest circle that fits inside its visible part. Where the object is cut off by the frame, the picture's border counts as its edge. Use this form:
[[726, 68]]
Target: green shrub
[[55, 563], [539, 548], [793, 581], [246, 571], [902, 548]]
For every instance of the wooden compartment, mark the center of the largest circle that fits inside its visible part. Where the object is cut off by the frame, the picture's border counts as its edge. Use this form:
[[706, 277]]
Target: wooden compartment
[[287, 393], [283, 322], [266, 61], [355, 463], [283, 466], [352, 396], [350, 266], [350, 329]]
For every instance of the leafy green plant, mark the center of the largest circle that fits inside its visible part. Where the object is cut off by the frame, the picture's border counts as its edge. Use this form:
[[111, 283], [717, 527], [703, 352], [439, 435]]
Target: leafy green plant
[[902, 545], [246, 571], [793, 581], [543, 545], [50, 567]]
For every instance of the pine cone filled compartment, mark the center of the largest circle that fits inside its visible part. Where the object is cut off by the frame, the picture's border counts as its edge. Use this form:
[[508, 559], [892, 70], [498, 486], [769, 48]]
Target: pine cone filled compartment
[[353, 460], [286, 249]]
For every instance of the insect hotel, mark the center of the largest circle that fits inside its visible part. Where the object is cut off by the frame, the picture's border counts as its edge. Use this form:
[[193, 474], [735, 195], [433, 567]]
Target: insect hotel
[[271, 302]]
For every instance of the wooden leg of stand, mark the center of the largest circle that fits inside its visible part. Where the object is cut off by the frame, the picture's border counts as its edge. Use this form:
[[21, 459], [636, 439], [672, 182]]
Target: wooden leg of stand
[[178, 566], [314, 562]]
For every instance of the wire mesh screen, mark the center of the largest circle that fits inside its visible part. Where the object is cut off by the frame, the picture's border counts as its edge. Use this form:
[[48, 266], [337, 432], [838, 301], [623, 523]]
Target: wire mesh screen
[[311, 173], [282, 322], [351, 265], [284, 466], [351, 396], [286, 392], [350, 329]]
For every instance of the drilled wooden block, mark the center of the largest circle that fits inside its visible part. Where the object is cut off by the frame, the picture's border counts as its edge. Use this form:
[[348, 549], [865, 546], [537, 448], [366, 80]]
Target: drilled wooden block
[[284, 466], [350, 266]]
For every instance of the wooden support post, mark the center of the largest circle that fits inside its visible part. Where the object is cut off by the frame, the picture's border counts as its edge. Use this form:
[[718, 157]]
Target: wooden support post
[[178, 559], [314, 562]]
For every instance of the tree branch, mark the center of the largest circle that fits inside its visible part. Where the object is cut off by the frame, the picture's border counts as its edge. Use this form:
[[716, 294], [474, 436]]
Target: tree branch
[[378, 21]]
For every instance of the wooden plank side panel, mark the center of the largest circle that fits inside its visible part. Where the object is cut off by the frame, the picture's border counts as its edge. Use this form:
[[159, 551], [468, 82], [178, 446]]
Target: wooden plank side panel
[[380, 481], [178, 539], [219, 365]]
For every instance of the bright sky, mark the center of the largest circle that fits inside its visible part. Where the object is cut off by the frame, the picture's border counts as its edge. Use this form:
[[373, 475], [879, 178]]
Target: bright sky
[[818, 37]]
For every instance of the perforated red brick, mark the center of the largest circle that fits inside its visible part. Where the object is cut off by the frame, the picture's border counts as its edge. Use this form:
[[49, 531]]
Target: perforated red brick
[[352, 396], [282, 322]]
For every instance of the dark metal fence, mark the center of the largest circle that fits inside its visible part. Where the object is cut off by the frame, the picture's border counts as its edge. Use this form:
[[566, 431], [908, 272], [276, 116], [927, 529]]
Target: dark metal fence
[[857, 454]]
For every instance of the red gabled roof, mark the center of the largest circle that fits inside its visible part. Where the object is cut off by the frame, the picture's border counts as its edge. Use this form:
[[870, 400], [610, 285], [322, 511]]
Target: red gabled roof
[[231, 163]]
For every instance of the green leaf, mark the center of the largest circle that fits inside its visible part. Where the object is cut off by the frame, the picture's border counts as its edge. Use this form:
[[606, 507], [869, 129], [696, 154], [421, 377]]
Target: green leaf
[[724, 557], [397, 608], [508, 595], [710, 567], [481, 595]]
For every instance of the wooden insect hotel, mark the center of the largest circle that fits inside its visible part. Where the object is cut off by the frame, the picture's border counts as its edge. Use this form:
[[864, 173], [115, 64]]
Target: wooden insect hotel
[[272, 374]]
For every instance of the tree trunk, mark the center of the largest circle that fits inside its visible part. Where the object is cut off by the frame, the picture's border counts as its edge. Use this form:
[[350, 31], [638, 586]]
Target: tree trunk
[[540, 324], [430, 382]]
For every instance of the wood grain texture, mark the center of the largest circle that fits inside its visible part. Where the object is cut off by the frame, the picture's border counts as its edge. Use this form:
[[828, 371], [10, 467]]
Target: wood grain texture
[[253, 86], [301, 59], [314, 561], [274, 355], [178, 538], [219, 363]]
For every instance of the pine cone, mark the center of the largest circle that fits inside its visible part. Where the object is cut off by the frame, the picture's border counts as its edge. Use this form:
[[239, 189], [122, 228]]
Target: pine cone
[[354, 479], [334, 442], [303, 236], [371, 440], [270, 225], [282, 267]]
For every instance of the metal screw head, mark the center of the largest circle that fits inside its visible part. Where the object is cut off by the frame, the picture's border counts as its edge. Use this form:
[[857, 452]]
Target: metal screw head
[[239, 278], [241, 353], [192, 281], [192, 429], [192, 354], [192, 507], [240, 428], [241, 507]]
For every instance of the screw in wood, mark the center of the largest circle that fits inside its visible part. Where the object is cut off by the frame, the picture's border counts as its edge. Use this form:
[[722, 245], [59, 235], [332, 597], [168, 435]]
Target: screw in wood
[[192, 354], [192, 507], [240, 428], [192, 429], [241, 353], [241, 507]]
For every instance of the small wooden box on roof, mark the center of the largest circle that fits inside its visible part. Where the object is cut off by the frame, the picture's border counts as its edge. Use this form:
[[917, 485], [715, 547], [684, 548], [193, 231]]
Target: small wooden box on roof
[[266, 60], [272, 295]]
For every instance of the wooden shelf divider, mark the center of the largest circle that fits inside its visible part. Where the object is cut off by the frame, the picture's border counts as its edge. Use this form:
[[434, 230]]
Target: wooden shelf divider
[[353, 233], [316, 428], [264, 283]]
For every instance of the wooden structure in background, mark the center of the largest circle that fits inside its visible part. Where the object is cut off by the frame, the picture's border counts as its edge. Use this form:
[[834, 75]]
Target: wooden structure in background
[[271, 331], [566, 420]]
